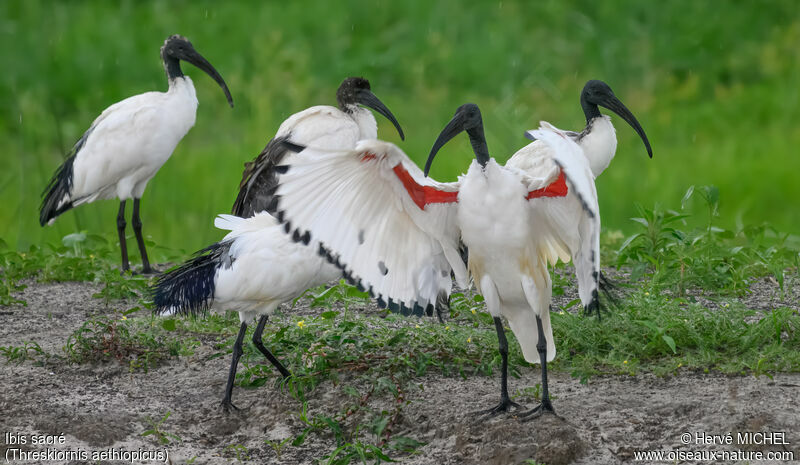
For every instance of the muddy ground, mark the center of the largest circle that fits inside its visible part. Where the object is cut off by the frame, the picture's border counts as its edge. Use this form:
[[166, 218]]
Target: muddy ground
[[104, 406]]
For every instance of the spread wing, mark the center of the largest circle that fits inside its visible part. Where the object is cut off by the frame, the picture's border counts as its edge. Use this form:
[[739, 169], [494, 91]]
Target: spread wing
[[372, 213], [568, 225], [319, 126]]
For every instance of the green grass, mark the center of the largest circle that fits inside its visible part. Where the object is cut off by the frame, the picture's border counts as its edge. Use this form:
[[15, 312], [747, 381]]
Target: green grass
[[715, 89]]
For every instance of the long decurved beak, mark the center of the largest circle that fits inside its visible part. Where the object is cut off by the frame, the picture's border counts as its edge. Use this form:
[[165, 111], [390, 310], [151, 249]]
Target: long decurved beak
[[467, 118], [615, 105], [193, 57], [452, 129], [369, 100]]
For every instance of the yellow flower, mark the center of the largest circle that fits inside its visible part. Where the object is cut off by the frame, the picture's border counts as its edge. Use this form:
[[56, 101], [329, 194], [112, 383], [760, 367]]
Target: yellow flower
[[124, 317], [646, 293], [446, 328], [624, 362], [680, 365], [469, 340], [473, 311], [301, 323], [416, 326]]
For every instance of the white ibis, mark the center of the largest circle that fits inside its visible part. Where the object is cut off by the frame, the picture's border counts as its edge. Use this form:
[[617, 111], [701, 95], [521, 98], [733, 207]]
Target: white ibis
[[253, 270], [127, 144], [320, 126], [506, 219], [395, 232], [599, 143]]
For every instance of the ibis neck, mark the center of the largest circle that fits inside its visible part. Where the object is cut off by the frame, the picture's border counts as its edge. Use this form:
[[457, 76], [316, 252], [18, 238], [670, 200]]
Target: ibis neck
[[599, 143], [590, 110], [364, 119], [173, 67], [479, 147]]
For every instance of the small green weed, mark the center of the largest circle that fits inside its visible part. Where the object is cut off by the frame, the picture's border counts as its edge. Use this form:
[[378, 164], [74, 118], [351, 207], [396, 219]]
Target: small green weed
[[30, 350], [162, 437], [239, 451], [278, 446], [110, 337]]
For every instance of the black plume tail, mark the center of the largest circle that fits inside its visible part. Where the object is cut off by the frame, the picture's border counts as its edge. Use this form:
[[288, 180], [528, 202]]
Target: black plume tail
[[57, 190], [189, 288]]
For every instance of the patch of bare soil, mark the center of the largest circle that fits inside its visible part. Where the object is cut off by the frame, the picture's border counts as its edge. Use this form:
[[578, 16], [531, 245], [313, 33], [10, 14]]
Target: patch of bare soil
[[104, 407]]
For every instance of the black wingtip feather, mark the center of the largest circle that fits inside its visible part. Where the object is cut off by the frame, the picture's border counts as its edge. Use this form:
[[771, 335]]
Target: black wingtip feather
[[289, 145], [189, 288], [59, 187]]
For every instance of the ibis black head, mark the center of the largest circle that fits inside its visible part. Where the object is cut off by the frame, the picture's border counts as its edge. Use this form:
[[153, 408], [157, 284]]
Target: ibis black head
[[356, 91], [598, 93], [177, 48], [467, 118]]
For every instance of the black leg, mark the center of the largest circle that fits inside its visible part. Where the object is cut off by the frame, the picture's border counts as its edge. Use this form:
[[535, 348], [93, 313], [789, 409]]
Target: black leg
[[227, 404], [505, 402], [121, 233], [546, 405], [137, 229], [259, 343]]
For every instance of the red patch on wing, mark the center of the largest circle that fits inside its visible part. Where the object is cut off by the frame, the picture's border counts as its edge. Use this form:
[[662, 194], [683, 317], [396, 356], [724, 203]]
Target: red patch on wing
[[422, 195], [368, 156], [557, 188]]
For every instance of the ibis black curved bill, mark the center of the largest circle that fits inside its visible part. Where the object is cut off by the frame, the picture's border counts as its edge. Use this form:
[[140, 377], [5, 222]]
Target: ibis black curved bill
[[368, 99], [467, 118], [190, 55], [615, 105]]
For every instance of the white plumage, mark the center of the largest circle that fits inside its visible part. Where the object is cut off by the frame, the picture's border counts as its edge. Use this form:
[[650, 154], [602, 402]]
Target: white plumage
[[127, 144], [266, 267], [396, 233], [322, 126], [252, 270], [357, 206]]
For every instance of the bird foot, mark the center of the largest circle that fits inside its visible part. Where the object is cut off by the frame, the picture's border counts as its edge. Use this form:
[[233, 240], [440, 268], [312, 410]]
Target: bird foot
[[228, 407], [505, 406], [594, 308], [147, 271], [536, 412]]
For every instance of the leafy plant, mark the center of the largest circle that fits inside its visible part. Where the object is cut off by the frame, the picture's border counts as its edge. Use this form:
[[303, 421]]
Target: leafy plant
[[162, 437], [109, 337], [709, 258]]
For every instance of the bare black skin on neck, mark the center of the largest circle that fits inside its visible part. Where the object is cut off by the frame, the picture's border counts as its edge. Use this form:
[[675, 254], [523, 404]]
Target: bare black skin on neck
[[467, 118]]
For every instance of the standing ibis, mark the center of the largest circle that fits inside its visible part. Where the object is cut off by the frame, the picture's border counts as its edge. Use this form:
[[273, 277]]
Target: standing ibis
[[395, 233], [127, 144], [253, 270], [320, 126], [599, 143], [506, 219]]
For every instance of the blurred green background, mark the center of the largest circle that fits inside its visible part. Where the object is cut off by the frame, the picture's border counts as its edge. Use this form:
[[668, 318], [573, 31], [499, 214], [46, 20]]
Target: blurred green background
[[715, 84]]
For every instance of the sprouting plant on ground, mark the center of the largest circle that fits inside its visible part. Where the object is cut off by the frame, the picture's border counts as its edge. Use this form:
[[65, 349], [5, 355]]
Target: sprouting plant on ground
[[156, 430], [106, 337], [239, 451], [278, 446], [29, 350]]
